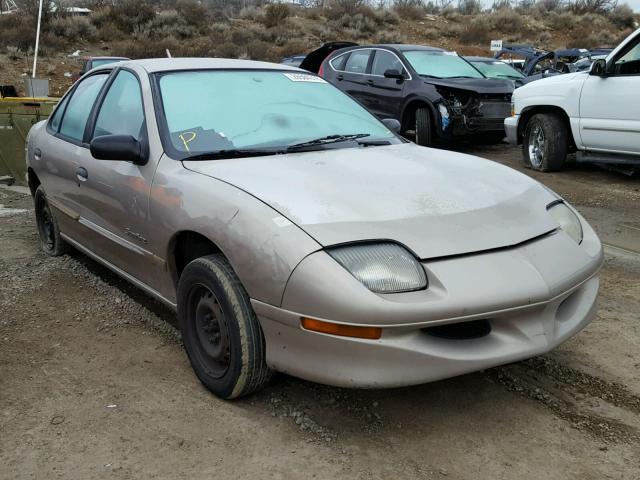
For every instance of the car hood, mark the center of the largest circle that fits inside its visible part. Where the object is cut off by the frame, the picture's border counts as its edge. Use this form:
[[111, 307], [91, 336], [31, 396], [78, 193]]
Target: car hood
[[437, 203], [478, 85]]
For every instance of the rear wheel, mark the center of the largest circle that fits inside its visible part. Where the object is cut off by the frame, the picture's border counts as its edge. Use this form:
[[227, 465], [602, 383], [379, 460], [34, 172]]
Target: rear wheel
[[423, 127], [220, 331], [50, 241], [545, 143]]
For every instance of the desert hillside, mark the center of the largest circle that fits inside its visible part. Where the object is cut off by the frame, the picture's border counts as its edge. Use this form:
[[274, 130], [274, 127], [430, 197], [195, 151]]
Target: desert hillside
[[265, 31]]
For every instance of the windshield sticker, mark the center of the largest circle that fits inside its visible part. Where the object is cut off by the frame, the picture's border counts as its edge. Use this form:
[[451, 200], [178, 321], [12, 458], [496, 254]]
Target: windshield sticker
[[304, 77]]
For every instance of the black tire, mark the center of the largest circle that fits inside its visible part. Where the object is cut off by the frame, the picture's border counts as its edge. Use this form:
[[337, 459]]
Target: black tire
[[220, 330], [424, 128], [545, 143], [50, 241]]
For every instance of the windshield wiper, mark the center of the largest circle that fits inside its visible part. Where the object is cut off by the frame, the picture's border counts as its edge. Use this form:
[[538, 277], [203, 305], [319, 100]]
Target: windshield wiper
[[234, 153], [326, 140]]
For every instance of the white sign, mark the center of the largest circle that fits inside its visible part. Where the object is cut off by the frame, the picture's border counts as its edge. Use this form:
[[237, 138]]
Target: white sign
[[303, 77], [496, 45]]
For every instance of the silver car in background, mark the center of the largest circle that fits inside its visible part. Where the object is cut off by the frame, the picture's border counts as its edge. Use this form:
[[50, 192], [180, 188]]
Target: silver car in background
[[293, 231]]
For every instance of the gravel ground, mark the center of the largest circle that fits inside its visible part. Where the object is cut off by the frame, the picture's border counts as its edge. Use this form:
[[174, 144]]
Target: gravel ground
[[94, 382]]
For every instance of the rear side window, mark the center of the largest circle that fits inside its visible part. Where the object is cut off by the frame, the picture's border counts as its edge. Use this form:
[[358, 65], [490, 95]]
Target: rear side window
[[121, 112], [357, 62], [338, 62], [57, 115], [384, 61], [80, 104]]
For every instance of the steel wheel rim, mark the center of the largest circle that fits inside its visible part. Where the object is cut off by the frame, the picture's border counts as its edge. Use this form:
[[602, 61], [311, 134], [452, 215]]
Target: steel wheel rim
[[46, 225], [536, 146], [210, 331]]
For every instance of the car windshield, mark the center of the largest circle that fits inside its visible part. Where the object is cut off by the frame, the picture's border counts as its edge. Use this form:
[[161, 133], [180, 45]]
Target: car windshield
[[440, 64], [497, 69], [217, 110]]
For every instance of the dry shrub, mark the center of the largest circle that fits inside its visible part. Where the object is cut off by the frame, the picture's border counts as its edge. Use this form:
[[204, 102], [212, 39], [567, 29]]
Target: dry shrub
[[389, 36], [561, 21], [622, 16], [254, 14], [338, 8], [409, 9], [73, 28], [130, 16], [507, 20], [580, 39], [469, 7], [193, 13], [476, 33], [17, 31], [258, 50], [275, 14], [386, 16]]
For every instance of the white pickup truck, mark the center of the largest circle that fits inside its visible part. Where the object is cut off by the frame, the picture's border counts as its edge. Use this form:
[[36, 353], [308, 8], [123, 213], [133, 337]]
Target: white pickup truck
[[595, 114]]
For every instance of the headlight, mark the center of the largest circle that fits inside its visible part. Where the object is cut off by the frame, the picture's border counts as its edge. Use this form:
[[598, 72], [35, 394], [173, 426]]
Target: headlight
[[444, 115], [382, 267], [568, 221]]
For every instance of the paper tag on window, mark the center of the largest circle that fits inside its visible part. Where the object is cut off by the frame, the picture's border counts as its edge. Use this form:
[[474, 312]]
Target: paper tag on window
[[303, 77]]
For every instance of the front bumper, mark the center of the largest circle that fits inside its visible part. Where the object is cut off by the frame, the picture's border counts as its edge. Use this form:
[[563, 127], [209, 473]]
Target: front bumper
[[534, 297], [511, 129], [410, 356]]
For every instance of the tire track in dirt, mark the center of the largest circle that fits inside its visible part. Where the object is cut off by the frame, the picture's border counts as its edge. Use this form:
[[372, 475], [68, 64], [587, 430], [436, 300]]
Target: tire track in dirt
[[601, 408]]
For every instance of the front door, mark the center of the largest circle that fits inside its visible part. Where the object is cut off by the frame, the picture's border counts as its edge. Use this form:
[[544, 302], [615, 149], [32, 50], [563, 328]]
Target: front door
[[610, 106], [116, 193], [385, 94]]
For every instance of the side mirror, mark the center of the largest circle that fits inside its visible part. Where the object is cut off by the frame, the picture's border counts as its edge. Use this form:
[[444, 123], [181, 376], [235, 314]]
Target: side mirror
[[599, 68], [392, 73], [118, 147], [392, 124]]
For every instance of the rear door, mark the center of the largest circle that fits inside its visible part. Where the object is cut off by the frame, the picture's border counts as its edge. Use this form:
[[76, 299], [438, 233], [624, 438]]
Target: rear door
[[385, 94], [610, 106], [60, 157], [354, 79]]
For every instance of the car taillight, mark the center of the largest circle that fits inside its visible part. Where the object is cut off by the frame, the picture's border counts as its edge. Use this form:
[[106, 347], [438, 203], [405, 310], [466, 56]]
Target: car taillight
[[321, 71]]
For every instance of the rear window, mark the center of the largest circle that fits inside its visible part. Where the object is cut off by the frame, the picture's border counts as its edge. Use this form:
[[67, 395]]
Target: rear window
[[338, 62]]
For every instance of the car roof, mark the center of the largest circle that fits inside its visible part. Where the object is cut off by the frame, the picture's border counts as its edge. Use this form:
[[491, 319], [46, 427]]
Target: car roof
[[406, 47], [152, 65], [106, 58]]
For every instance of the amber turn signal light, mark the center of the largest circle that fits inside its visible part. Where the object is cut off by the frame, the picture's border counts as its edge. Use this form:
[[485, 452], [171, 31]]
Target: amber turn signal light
[[369, 333]]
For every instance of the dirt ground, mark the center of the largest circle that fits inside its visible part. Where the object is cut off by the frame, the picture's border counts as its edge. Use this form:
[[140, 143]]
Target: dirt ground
[[95, 384]]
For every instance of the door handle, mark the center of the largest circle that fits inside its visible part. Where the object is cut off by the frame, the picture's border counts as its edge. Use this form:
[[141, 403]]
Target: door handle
[[340, 77], [370, 83], [82, 174]]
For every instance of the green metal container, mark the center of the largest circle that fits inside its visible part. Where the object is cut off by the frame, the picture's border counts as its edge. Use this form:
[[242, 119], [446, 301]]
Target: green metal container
[[17, 116]]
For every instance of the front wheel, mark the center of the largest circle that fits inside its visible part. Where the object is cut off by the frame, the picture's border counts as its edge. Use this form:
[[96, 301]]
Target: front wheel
[[220, 331], [424, 128], [545, 143]]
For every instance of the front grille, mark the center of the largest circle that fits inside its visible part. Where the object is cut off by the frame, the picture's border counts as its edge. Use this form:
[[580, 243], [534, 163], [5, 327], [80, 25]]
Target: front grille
[[495, 109], [460, 331]]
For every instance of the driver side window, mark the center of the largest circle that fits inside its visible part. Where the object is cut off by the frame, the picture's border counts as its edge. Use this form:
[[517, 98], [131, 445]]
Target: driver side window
[[629, 63], [122, 111]]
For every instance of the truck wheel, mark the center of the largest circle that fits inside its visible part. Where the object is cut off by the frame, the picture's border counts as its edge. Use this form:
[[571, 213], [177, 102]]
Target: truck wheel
[[423, 127], [220, 330], [50, 241], [545, 143]]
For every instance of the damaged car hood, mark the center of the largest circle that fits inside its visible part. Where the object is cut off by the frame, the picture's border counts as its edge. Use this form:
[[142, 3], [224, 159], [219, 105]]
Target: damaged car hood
[[479, 85], [437, 203]]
